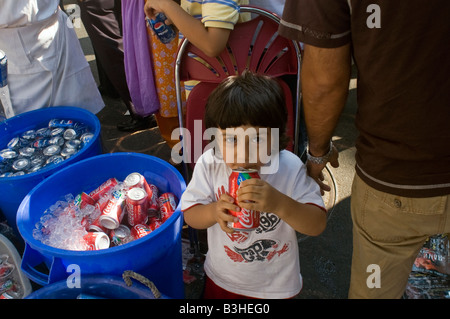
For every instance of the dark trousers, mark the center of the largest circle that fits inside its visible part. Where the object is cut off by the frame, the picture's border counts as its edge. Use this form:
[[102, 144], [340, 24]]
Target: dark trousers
[[103, 22]]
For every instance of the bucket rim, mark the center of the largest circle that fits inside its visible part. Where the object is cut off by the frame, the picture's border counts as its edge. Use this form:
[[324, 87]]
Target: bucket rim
[[51, 168], [58, 252], [87, 281]]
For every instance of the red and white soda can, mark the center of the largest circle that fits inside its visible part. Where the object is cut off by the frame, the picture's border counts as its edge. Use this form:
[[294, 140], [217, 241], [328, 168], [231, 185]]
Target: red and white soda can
[[248, 219], [137, 180], [83, 199], [153, 204], [167, 205], [136, 206], [96, 226], [96, 240], [112, 214], [155, 223], [103, 189], [139, 231], [134, 180]]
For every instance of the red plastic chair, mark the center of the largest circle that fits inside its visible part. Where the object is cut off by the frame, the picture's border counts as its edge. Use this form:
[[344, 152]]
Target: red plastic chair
[[254, 45]]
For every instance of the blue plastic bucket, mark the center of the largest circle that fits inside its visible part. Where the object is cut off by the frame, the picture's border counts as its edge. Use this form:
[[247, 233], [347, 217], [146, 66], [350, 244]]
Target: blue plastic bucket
[[95, 287], [14, 189], [156, 256]]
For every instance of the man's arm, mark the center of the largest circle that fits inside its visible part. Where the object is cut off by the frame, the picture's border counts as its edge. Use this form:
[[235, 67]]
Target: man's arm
[[325, 78]]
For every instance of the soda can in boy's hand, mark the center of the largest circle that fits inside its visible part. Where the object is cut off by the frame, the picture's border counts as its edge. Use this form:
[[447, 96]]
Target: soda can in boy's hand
[[164, 32], [248, 219]]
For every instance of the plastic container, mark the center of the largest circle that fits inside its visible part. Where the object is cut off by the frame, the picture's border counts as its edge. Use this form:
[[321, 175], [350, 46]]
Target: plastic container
[[14, 189], [95, 287], [156, 256], [6, 247]]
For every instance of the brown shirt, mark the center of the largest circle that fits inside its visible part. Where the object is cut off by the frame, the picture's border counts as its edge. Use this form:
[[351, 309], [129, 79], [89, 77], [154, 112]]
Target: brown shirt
[[402, 52]]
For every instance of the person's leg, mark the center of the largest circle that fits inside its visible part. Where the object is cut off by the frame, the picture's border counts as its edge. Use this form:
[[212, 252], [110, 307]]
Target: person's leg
[[388, 233], [102, 23]]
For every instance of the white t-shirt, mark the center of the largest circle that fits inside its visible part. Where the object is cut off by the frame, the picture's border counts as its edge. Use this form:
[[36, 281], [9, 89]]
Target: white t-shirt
[[262, 263]]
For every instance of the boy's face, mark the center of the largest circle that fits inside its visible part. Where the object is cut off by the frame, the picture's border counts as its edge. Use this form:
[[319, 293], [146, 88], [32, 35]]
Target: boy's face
[[245, 146]]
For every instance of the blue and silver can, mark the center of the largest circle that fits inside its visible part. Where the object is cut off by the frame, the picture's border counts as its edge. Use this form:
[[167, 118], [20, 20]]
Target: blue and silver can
[[165, 32]]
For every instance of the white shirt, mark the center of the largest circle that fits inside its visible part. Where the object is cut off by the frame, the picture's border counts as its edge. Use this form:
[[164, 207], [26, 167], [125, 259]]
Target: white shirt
[[46, 65], [262, 263]]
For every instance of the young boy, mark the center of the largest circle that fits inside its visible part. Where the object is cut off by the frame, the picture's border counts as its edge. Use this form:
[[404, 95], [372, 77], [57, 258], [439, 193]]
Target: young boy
[[261, 263]]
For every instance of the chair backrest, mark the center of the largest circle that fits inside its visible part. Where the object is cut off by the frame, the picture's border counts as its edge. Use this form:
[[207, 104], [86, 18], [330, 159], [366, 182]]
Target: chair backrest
[[254, 45]]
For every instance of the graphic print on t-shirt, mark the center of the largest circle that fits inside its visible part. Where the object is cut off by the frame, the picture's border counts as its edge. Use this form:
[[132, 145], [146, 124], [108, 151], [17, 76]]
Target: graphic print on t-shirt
[[260, 250]]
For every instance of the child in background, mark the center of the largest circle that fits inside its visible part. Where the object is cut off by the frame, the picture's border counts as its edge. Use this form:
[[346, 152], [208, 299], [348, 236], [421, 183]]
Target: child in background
[[261, 263], [206, 24]]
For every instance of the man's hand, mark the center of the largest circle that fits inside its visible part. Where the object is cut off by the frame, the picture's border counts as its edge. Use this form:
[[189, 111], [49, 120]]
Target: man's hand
[[316, 170]]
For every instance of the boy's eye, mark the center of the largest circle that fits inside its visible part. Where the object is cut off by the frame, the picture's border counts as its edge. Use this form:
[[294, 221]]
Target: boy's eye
[[230, 139], [257, 139]]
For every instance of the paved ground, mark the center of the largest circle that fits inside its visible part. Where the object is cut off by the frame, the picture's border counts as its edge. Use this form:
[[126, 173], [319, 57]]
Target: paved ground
[[325, 260]]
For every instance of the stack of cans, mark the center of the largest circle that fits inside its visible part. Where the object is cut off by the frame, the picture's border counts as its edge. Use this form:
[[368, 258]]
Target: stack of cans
[[47, 145], [113, 214]]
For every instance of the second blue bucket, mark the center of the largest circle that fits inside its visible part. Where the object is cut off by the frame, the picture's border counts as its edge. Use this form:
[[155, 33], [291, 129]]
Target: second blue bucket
[[157, 256], [13, 189]]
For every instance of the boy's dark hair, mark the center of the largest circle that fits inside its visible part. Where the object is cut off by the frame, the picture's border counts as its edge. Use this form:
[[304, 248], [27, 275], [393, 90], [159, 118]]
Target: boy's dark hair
[[248, 99]]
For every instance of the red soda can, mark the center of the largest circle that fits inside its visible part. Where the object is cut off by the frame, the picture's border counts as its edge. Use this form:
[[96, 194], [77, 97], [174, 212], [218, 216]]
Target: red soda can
[[134, 180], [155, 223], [103, 189], [112, 215], [248, 219], [101, 203], [96, 240], [96, 226], [153, 204], [137, 180], [83, 199], [136, 206], [167, 205], [139, 231]]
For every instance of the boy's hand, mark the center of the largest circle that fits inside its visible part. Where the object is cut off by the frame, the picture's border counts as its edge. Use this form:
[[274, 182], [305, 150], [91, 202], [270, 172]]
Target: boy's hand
[[256, 194], [223, 217]]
